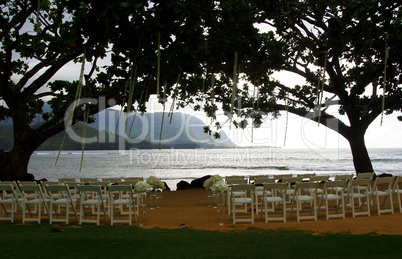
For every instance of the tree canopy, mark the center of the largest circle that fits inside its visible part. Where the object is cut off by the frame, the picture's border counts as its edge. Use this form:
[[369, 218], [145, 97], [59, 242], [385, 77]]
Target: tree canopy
[[196, 51]]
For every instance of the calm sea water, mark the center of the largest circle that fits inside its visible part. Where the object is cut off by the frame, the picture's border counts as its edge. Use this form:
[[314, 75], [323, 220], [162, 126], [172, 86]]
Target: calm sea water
[[174, 165]]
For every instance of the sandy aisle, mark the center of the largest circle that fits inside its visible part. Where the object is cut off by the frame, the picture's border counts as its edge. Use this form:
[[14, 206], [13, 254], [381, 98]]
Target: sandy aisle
[[188, 208]]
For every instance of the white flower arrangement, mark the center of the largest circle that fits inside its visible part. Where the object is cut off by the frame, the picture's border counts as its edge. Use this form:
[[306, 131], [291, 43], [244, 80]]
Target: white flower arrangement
[[211, 181], [220, 186], [142, 186], [155, 183]]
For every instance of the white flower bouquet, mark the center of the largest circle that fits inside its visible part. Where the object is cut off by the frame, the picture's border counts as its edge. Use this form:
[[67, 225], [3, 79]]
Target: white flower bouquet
[[220, 186], [155, 183], [211, 181], [142, 186]]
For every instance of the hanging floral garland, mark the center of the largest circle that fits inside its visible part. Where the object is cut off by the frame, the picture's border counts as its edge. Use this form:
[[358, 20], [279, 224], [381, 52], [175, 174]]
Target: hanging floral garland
[[234, 89], [174, 99], [287, 117], [84, 133], [385, 77], [75, 104]]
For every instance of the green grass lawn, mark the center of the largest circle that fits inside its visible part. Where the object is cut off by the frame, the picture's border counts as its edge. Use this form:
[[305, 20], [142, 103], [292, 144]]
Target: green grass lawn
[[90, 241]]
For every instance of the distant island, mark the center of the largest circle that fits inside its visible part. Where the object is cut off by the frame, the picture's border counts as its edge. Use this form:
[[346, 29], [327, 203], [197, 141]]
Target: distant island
[[182, 132]]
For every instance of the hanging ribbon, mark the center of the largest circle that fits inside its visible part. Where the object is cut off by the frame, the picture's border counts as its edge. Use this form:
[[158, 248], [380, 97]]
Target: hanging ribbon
[[385, 77]]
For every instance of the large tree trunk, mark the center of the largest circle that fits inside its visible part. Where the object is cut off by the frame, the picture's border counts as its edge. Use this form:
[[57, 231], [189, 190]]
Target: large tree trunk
[[14, 165], [361, 159]]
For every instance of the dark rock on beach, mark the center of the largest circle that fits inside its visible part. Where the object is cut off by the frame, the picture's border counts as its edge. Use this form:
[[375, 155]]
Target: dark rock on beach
[[182, 185], [199, 182]]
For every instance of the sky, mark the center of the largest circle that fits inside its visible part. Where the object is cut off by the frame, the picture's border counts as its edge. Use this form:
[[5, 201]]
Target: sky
[[300, 133]]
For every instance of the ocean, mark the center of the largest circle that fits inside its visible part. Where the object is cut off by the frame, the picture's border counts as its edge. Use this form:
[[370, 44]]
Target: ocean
[[174, 165]]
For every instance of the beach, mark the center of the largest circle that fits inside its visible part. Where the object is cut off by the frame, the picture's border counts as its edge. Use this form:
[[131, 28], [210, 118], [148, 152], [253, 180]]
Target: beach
[[188, 208]]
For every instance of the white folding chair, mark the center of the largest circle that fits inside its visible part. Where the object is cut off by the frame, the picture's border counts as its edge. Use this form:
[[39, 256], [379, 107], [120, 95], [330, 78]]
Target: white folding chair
[[8, 198], [274, 194], [124, 204], [396, 190], [328, 196], [243, 202], [234, 181], [382, 187], [290, 191], [91, 204], [33, 195], [259, 190], [355, 193], [60, 195], [305, 192]]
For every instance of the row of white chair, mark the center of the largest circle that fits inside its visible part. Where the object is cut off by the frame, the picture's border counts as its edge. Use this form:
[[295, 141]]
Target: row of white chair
[[342, 193], [38, 199]]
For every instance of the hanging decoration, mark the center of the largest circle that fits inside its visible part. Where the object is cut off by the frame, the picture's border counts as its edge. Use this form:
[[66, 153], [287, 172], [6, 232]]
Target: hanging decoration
[[75, 103], [158, 66], [37, 26], [174, 99], [130, 95], [287, 117], [84, 133], [234, 89], [212, 97], [321, 90], [385, 77], [163, 118], [135, 114]]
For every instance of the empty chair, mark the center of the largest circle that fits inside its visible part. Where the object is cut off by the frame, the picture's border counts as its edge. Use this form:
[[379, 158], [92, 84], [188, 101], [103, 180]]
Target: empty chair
[[305, 177], [60, 195], [382, 187], [240, 193], [244, 201], [134, 179], [87, 180], [337, 199], [279, 177], [342, 177], [274, 194], [365, 175], [259, 190], [290, 191], [359, 190], [8, 198], [251, 178], [305, 192], [111, 180], [33, 195], [124, 204], [17, 192], [91, 204], [228, 178], [66, 180], [397, 190], [319, 179]]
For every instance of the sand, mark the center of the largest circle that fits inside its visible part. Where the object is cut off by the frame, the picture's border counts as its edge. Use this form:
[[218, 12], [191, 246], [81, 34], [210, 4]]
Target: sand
[[188, 208]]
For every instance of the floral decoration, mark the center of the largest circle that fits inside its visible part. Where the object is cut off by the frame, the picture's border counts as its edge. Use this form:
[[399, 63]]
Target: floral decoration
[[155, 183], [142, 186], [211, 180], [220, 186]]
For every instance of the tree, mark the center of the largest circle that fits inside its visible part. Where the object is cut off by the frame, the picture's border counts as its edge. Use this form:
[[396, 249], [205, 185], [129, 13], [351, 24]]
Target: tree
[[349, 55], [148, 47]]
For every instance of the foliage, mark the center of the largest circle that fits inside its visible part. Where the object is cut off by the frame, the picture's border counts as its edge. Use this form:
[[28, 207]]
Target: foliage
[[340, 49]]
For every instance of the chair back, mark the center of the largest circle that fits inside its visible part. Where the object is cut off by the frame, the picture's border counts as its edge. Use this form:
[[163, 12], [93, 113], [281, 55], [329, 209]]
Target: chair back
[[236, 181], [365, 175], [242, 187], [319, 178]]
